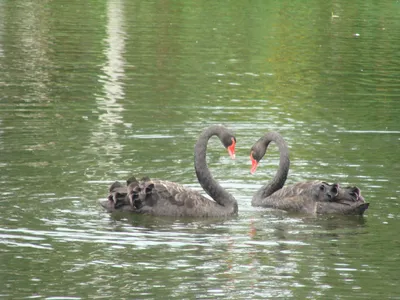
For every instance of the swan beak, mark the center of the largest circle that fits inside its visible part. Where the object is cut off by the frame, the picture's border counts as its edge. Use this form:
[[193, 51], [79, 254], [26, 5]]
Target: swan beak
[[254, 164], [231, 149]]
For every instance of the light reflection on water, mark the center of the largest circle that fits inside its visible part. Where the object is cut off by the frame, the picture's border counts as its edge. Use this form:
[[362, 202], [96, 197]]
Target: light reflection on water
[[197, 245]]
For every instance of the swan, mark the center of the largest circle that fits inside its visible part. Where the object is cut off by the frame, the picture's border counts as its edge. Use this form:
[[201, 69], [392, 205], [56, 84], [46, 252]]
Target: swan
[[166, 198], [315, 197]]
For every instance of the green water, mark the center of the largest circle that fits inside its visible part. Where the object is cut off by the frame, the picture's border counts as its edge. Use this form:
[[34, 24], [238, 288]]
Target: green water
[[94, 91]]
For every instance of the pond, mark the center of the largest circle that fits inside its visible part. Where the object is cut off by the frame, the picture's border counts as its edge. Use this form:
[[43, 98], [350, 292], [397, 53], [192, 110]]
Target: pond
[[97, 91]]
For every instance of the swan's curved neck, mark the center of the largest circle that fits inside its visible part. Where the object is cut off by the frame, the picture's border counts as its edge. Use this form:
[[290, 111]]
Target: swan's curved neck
[[278, 181], [207, 181]]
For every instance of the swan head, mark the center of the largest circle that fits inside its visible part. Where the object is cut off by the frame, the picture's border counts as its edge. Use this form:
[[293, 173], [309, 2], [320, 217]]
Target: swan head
[[226, 137], [229, 143], [257, 152], [255, 156], [260, 147]]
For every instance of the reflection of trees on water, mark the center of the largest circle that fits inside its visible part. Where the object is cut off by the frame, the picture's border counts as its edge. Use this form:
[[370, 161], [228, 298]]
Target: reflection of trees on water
[[25, 81], [35, 49], [105, 135]]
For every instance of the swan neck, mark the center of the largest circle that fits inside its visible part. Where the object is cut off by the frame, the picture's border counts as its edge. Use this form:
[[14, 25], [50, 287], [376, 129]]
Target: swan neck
[[278, 181], [206, 180]]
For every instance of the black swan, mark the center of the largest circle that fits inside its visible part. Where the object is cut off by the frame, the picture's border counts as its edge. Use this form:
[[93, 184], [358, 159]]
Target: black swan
[[315, 197], [166, 198]]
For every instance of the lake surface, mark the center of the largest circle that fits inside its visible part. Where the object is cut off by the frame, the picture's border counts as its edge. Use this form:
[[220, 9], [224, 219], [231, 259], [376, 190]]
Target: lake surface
[[94, 91]]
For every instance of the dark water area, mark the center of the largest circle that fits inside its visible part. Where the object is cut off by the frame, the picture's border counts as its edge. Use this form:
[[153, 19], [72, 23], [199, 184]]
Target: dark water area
[[92, 92]]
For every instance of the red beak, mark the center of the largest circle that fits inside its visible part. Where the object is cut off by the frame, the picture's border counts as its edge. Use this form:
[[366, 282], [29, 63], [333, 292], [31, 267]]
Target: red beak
[[254, 164], [231, 149]]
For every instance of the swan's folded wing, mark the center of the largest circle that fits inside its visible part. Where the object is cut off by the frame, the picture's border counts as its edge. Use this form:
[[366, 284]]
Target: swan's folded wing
[[170, 191], [298, 197], [172, 199], [179, 195], [300, 189], [295, 203]]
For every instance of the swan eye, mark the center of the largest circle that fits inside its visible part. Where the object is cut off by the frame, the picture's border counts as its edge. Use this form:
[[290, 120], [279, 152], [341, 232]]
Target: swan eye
[[254, 156]]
